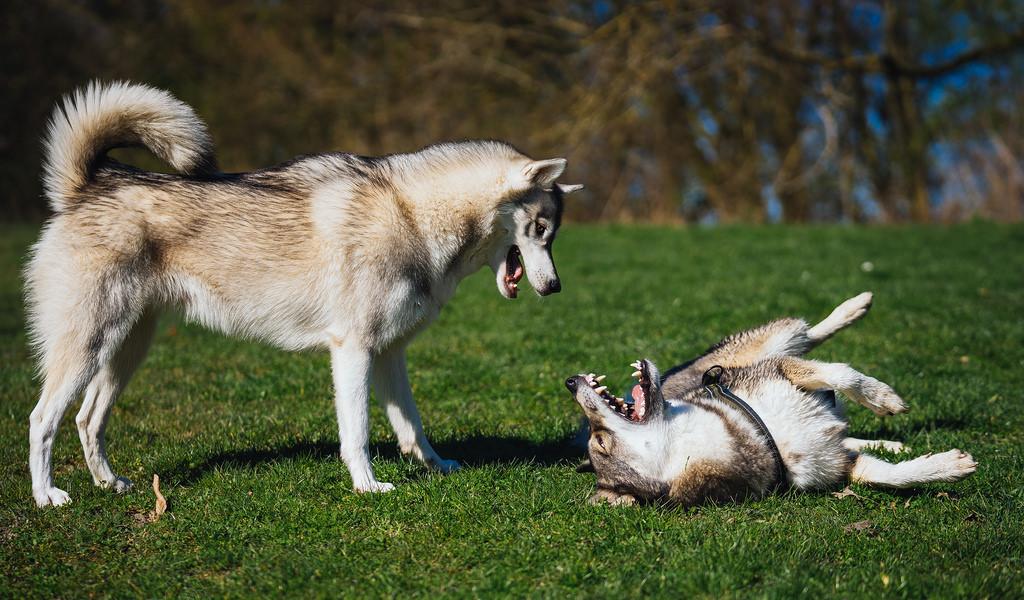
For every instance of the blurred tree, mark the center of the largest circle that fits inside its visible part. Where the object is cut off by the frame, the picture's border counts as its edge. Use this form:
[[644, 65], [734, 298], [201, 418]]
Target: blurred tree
[[670, 110]]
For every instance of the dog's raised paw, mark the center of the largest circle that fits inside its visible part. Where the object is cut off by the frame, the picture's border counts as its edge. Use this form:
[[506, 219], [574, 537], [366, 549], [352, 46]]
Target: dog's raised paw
[[51, 497], [855, 307], [883, 401]]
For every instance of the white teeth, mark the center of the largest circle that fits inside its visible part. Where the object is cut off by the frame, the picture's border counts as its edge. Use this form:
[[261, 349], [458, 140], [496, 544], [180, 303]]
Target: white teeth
[[601, 390], [635, 365], [600, 378], [636, 373]]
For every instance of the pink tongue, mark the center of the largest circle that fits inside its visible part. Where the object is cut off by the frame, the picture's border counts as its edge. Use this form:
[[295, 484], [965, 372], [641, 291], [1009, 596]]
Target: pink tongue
[[640, 403]]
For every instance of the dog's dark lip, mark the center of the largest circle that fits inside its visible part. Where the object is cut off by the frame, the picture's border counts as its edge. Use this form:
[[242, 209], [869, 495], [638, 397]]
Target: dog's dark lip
[[513, 271]]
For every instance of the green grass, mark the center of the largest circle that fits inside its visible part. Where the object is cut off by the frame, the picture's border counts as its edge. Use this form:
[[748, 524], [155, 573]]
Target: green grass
[[244, 439]]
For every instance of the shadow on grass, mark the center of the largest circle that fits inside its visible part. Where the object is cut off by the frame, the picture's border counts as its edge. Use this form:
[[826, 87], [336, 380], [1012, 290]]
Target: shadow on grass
[[471, 451]]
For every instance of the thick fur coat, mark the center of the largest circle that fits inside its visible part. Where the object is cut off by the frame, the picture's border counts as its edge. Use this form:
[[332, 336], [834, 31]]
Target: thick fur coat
[[675, 442], [347, 253]]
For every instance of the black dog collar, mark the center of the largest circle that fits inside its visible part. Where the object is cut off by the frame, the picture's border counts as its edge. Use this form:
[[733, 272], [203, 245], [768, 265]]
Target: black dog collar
[[717, 391]]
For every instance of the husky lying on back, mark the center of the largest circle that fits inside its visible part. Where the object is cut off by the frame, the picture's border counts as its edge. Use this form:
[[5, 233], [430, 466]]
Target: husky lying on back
[[335, 251], [681, 442]]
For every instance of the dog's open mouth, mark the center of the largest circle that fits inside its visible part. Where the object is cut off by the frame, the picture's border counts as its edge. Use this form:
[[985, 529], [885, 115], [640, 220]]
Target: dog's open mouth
[[634, 409], [513, 271]]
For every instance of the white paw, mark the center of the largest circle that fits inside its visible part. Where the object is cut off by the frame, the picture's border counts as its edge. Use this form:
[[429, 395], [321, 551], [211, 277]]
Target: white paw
[[51, 497], [855, 307], [954, 465], [374, 487], [883, 401], [121, 485]]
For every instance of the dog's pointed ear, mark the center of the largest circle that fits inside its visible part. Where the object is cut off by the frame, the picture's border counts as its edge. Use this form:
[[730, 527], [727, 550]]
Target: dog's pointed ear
[[543, 173], [569, 188]]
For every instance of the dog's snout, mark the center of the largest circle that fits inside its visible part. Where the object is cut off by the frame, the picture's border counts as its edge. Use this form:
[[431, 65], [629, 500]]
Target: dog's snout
[[572, 383], [553, 287]]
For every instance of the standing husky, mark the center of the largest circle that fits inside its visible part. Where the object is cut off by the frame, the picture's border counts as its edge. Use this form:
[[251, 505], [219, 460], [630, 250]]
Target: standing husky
[[350, 253], [681, 442]]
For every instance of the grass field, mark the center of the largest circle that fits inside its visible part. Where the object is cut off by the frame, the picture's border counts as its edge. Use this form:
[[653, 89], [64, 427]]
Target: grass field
[[243, 437]]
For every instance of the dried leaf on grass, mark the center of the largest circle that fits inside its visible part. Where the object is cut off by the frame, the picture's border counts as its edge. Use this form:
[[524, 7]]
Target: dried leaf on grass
[[141, 518], [866, 526], [161, 502], [847, 493]]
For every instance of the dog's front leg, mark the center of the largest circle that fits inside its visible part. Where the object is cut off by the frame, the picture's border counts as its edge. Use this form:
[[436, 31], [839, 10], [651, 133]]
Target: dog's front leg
[[391, 382], [351, 366]]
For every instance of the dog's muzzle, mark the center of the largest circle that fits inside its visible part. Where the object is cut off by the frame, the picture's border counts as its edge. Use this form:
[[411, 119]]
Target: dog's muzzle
[[553, 287], [572, 383]]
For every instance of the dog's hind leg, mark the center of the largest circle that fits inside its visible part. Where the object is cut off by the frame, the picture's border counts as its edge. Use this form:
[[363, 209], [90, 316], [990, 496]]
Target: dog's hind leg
[[782, 337], [82, 304], [65, 374], [350, 367], [869, 392], [74, 358], [786, 337], [949, 466], [100, 396], [391, 382], [842, 316]]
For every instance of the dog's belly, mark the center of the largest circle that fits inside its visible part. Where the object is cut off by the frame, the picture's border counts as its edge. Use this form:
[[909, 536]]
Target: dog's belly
[[296, 313], [285, 313], [402, 312], [808, 431]]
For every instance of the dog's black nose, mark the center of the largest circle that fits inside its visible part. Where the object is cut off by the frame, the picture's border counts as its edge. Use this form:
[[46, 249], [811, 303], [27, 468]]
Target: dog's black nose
[[571, 383], [551, 287]]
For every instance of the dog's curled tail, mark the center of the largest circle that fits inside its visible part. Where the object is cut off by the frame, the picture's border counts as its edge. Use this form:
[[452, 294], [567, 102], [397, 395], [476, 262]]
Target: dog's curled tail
[[99, 117]]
